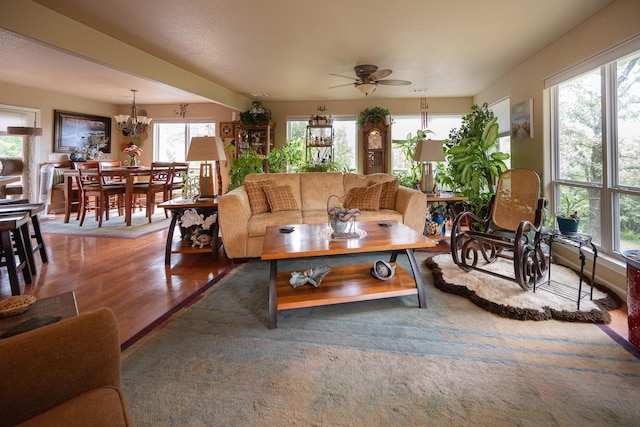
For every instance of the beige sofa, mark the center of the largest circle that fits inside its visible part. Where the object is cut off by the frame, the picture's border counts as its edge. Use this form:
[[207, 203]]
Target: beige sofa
[[64, 374], [243, 226]]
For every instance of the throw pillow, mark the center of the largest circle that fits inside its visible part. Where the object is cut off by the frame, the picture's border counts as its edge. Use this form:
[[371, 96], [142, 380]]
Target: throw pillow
[[364, 198], [280, 198], [257, 197], [388, 194]]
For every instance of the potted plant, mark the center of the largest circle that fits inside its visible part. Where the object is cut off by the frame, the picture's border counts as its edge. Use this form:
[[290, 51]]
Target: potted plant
[[567, 217], [411, 178], [474, 159], [373, 115], [438, 213]]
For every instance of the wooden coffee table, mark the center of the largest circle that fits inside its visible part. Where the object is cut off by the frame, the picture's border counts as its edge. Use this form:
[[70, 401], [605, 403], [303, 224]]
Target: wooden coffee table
[[345, 283]]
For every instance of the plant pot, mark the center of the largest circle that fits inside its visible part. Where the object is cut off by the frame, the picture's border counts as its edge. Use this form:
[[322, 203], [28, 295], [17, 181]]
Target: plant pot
[[337, 225], [568, 226]]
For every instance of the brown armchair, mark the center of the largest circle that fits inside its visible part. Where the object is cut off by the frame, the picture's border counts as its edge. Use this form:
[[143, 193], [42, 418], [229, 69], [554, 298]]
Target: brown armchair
[[67, 373]]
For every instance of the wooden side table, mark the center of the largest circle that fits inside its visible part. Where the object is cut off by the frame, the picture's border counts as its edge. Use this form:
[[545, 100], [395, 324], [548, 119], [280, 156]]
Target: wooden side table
[[178, 207], [63, 306]]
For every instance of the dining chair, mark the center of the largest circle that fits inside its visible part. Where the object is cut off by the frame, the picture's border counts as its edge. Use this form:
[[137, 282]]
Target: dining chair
[[158, 184], [92, 186], [177, 169]]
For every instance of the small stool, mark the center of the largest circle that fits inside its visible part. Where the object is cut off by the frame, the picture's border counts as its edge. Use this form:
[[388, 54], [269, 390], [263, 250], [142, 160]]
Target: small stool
[[12, 229], [32, 209]]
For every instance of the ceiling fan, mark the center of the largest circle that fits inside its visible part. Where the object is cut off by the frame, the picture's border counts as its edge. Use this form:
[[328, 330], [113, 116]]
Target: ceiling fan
[[369, 77]]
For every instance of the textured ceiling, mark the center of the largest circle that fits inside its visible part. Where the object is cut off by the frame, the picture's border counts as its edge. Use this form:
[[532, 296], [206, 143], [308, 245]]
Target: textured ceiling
[[286, 49]]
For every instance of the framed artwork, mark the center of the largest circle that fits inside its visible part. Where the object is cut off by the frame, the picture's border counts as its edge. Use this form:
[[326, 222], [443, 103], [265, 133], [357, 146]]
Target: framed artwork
[[73, 130], [522, 120], [226, 130]]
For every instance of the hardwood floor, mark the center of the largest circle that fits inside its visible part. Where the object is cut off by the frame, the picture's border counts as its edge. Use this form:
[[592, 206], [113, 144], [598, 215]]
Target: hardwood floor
[[128, 276]]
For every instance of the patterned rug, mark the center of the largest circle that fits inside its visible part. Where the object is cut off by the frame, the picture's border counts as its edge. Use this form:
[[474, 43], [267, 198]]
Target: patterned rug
[[508, 299], [115, 227], [373, 363]]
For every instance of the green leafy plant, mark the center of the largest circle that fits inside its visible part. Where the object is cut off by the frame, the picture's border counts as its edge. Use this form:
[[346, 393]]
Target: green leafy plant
[[474, 159], [248, 162], [321, 167], [408, 150], [373, 115], [256, 115], [568, 208]]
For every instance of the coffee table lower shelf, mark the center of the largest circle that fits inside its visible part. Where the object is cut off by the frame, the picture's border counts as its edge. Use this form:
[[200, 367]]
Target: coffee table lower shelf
[[344, 284]]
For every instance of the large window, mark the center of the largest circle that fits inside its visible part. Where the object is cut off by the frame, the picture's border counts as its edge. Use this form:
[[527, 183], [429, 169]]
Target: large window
[[596, 160], [172, 139], [11, 146], [439, 124], [344, 137]]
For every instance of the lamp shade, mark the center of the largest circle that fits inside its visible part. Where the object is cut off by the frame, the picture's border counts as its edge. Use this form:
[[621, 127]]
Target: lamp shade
[[204, 148], [366, 88], [429, 151]]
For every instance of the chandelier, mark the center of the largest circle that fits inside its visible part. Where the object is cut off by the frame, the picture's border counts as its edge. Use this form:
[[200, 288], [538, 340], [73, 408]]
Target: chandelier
[[132, 125]]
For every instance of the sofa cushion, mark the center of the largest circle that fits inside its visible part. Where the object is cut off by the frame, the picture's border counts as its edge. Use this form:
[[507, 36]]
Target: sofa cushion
[[280, 198], [257, 197], [364, 198], [388, 194], [316, 187]]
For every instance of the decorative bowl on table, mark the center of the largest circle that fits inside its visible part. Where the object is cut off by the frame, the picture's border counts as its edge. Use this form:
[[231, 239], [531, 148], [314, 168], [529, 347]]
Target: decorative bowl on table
[[16, 305]]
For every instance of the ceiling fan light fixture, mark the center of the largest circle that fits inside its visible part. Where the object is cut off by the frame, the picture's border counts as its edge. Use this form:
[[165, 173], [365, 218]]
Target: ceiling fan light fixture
[[366, 88]]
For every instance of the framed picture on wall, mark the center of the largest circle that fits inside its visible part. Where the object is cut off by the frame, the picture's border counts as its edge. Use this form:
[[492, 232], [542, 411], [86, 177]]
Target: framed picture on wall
[[71, 131], [522, 120]]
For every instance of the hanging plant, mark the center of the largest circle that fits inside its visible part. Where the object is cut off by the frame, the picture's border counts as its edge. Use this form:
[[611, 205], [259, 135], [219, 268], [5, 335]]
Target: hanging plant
[[256, 115], [373, 115]]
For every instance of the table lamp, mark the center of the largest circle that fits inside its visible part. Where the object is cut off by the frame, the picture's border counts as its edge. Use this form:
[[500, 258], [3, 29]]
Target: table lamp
[[426, 152], [204, 148]]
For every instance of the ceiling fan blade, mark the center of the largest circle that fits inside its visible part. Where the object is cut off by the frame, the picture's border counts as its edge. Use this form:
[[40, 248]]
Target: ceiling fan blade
[[344, 77], [380, 74], [392, 82], [346, 84]]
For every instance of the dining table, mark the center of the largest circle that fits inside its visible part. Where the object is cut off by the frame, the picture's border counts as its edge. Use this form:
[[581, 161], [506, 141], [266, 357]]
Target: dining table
[[128, 173]]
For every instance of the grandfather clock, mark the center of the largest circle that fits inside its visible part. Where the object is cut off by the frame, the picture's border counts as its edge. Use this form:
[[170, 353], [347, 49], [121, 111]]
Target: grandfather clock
[[375, 148]]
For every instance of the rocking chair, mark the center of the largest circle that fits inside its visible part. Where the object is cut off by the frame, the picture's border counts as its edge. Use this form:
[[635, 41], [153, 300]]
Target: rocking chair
[[511, 230]]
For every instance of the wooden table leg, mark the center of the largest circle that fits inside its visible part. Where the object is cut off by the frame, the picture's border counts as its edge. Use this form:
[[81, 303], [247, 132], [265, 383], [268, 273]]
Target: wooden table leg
[[128, 199], [273, 294]]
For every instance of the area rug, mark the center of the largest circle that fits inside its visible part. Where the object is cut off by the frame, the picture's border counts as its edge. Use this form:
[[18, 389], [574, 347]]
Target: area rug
[[508, 299], [374, 363], [115, 227]]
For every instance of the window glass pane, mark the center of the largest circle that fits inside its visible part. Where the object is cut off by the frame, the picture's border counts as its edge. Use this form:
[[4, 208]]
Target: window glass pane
[[580, 129], [172, 139], [628, 103], [400, 129], [171, 142], [10, 146], [344, 136], [629, 224], [344, 139]]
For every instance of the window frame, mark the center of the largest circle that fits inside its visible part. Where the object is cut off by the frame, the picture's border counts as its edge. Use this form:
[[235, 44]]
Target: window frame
[[610, 190]]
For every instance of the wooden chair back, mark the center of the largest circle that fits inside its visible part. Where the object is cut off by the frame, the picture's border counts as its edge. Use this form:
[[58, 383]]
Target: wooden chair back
[[516, 199]]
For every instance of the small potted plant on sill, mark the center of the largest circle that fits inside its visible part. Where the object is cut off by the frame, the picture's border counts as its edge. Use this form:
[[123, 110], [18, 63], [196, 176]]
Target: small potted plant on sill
[[567, 218]]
